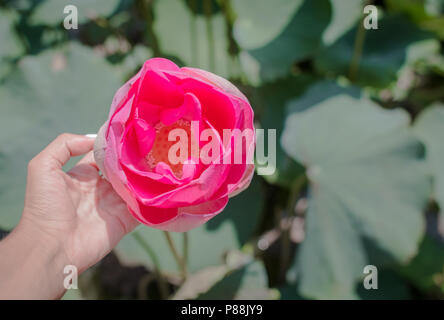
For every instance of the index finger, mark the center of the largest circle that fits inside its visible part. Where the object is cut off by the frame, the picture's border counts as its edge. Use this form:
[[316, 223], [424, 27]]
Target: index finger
[[60, 150]]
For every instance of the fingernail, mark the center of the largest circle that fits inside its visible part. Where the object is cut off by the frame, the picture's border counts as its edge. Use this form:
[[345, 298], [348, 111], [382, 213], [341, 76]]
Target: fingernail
[[91, 135]]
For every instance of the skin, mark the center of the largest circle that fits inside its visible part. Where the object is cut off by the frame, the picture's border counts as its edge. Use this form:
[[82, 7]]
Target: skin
[[72, 218]]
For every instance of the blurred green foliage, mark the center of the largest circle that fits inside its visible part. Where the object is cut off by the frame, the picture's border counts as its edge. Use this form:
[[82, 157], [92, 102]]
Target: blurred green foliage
[[359, 116]]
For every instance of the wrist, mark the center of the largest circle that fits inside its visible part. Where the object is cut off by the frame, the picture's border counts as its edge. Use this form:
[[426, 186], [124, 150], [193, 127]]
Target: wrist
[[32, 264]]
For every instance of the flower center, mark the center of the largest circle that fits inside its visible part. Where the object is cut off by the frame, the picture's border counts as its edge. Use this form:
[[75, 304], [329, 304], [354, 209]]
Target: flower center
[[161, 146]]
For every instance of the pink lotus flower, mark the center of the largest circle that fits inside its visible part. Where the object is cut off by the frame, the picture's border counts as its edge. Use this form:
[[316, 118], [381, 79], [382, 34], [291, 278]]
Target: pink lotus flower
[[133, 149]]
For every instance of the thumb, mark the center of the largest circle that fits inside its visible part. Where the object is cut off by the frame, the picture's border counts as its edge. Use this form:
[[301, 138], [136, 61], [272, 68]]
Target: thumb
[[59, 151]]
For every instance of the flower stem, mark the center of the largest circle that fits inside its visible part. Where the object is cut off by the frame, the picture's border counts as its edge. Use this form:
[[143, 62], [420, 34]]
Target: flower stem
[[209, 24], [193, 32], [185, 251], [357, 50], [146, 11], [180, 262], [163, 288], [295, 189]]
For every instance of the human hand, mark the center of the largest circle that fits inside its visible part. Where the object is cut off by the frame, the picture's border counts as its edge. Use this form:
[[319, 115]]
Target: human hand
[[72, 218]]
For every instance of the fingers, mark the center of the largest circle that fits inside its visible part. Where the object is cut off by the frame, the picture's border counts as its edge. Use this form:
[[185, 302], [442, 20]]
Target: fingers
[[89, 160], [85, 168], [59, 151]]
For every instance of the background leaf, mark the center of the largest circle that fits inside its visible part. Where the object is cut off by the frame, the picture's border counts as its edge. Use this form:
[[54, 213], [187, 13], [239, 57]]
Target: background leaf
[[430, 128], [390, 287], [240, 278], [194, 45], [259, 22], [345, 15], [287, 42], [67, 90], [382, 55], [367, 182], [248, 282], [426, 271], [270, 103], [50, 12], [11, 46]]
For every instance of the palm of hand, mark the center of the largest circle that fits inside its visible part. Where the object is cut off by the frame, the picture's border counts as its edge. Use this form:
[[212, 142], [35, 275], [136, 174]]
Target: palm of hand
[[81, 208]]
